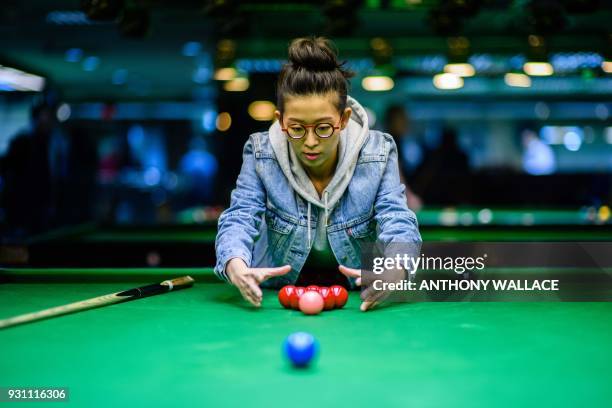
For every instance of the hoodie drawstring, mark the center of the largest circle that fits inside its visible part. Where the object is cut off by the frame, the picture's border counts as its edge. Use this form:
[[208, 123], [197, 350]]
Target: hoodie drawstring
[[308, 223], [326, 214]]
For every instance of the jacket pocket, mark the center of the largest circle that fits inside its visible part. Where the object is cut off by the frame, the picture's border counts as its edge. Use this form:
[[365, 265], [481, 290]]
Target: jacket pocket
[[278, 224], [364, 229], [279, 231]]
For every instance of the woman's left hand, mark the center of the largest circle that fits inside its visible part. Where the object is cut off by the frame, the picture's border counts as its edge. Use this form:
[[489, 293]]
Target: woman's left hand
[[370, 296]]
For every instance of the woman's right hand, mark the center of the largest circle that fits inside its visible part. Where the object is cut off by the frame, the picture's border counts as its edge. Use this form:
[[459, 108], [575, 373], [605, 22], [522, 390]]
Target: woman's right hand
[[247, 280]]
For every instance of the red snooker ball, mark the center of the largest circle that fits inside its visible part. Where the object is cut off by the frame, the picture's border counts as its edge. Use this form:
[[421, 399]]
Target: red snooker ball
[[311, 303], [340, 294], [328, 298], [298, 291], [284, 295], [312, 287]]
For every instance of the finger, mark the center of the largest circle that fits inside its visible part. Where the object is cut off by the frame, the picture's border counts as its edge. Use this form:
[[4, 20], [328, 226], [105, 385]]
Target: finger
[[371, 298], [254, 288], [251, 291], [367, 303], [266, 273], [365, 306], [248, 296], [350, 272], [358, 281], [370, 294]]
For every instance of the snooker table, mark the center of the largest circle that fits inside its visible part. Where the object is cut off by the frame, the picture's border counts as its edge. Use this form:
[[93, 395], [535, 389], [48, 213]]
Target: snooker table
[[204, 346]]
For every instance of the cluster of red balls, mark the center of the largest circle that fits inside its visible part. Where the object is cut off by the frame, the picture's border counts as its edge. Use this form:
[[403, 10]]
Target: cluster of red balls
[[312, 299]]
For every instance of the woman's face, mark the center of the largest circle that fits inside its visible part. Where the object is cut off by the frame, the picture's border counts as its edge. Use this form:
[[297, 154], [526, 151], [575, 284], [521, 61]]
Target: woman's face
[[315, 153]]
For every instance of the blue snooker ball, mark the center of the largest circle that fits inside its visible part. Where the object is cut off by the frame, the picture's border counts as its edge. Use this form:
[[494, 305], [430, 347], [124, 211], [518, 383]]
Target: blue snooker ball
[[300, 348]]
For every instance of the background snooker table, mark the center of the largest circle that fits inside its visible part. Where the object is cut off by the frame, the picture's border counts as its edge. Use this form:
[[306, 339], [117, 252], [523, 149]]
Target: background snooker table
[[190, 244], [204, 346]]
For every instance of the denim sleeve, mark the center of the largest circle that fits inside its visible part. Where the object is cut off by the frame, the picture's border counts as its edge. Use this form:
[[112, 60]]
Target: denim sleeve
[[239, 224], [396, 221]]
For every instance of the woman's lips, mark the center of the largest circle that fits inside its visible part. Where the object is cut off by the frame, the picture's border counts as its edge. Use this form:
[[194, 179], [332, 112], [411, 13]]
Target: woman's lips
[[311, 156]]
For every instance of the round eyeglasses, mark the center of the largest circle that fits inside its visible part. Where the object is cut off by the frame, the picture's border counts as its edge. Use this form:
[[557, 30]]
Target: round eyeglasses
[[323, 130]]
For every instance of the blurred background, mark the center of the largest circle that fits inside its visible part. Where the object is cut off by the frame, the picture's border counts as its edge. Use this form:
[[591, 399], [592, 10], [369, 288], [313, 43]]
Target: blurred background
[[133, 113]]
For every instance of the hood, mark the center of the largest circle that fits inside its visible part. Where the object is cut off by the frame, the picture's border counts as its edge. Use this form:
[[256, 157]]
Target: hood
[[351, 140]]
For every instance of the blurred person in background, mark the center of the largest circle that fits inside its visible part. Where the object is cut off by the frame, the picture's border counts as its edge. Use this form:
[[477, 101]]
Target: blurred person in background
[[47, 176], [27, 175], [444, 176], [201, 167], [538, 157], [410, 152]]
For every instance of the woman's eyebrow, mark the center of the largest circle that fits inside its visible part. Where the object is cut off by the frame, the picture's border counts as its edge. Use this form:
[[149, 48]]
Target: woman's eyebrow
[[317, 120]]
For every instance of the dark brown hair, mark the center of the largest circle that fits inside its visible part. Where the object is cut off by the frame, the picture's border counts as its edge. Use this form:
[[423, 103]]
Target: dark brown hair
[[313, 69]]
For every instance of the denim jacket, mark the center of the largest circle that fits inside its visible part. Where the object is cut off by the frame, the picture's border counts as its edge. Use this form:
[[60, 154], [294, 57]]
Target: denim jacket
[[266, 224]]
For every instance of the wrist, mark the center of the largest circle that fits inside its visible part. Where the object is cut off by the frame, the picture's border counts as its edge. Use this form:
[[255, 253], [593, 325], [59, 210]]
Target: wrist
[[234, 265]]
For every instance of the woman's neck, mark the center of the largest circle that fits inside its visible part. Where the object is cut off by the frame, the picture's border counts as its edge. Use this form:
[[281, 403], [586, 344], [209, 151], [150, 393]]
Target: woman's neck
[[321, 176]]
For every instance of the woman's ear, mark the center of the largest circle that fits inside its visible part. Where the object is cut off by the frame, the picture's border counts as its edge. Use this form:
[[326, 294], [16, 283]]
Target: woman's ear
[[346, 115], [277, 115]]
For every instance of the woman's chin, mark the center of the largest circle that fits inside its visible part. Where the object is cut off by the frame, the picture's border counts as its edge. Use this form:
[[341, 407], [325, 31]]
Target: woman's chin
[[311, 163]]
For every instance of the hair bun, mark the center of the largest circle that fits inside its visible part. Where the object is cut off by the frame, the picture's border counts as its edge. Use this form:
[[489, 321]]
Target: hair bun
[[313, 54]]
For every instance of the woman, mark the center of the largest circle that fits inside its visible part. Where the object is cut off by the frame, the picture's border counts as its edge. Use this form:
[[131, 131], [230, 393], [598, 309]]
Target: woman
[[313, 188]]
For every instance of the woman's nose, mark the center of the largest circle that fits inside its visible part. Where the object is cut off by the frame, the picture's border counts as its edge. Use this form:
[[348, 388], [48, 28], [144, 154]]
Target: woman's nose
[[311, 139]]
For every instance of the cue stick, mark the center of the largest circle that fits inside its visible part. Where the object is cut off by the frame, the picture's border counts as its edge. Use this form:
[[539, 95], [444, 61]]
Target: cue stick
[[104, 300]]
